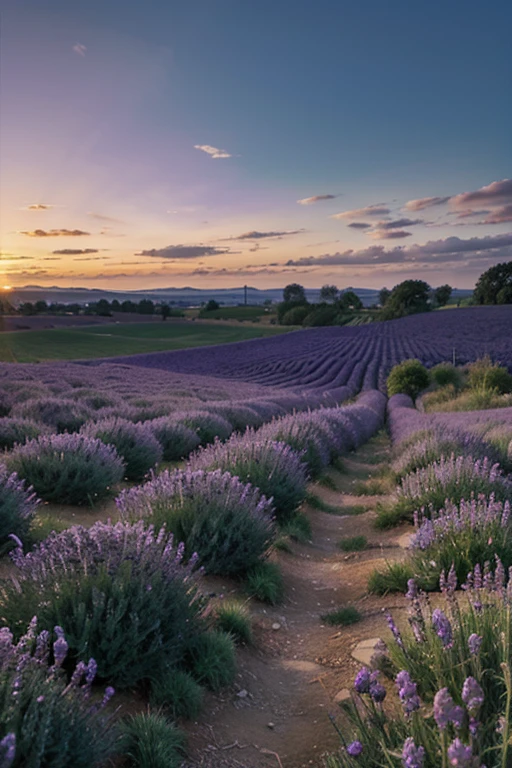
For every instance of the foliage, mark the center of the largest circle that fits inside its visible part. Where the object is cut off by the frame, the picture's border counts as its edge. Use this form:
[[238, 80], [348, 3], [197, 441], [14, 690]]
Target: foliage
[[304, 435], [442, 295], [212, 306], [393, 578], [207, 426], [328, 293], [46, 719], [178, 693], [349, 301], [409, 297], [294, 293], [384, 295], [135, 443], [18, 506], [120, 592], [342, 617], [152, 741], [293, 314], [211, 657], [486, 375], [492, 282], [273, 467], [409, 378], [227, 523], [17, 430], [321, 314], [265, 582], [353, 543], [444, 374], [233, 618], [58, 413], [177, 440], [67, 469], [426, 447]]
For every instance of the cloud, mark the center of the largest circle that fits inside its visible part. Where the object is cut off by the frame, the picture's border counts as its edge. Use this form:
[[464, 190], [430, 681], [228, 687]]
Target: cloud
[[315, 199], [54, 233], [75, 251], [100, 217], [495, 194], [183, 252], [80, 49], [214, 152], [38, 207], [467, 213], [357, 213], [360, 225], [256, 235], [389, 234], [451, 249], [501, 216], [398, 223], [11, 257], [425, 202]]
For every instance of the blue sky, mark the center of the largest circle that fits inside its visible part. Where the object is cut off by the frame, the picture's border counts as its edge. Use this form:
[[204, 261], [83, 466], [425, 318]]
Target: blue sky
[[112, 112]]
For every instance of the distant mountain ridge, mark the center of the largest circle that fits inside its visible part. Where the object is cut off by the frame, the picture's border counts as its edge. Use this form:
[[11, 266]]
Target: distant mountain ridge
[[184, 297]]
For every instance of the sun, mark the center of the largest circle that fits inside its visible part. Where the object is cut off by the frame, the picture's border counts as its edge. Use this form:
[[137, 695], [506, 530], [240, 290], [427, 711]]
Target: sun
[[6, 287]]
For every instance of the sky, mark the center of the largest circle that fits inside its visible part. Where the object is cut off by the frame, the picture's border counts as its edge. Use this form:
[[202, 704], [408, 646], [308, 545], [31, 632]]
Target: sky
[[217, 143]]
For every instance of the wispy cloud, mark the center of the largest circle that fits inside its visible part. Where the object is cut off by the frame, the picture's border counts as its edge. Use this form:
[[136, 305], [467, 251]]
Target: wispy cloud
[[101, 217], [449, 250], [425, 202], [500, 216], [360, 225], [316, 199], [183, 252], [398, 223], [38, 207], [257, 235], [214, 152], [54, 233], [497, 193], [467, 214], [75, 251], [80, 48], [389, 234], [358, 213]]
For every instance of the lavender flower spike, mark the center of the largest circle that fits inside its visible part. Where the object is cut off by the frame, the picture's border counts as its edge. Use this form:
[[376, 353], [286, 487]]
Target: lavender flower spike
[[442, 627], [7, 750], [355, 748], [472, 695], [412, 756], [459, 755], [446, 711], [362, 681], [474, 644]]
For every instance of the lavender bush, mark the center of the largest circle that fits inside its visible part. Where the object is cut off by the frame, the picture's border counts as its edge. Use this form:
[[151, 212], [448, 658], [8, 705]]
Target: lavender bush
[[207, 426], [303, 435], [46, 719], [67, 469], [226, 522], [121, 593], [135, 444], [274, 468], [452, 683], [60, 414], [239, 416], [177, 440], [453, 478], [13, 430], [17, 506], [461, 536]]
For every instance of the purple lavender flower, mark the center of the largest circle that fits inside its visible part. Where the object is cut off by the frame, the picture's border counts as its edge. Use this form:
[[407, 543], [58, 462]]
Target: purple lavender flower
[[355, 748], [376, 689], [363, 680], [8, 750], [407, 692], [446, 711], [472, 695], [442, 627], [474, 644], [60, 651], [394, 629], [412, 756], [412, 590], [109, 692], [459, 755]]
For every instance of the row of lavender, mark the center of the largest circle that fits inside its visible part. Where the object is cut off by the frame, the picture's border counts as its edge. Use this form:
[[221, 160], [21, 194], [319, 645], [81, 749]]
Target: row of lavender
[[355, 357], [121, 604], [451, 667]]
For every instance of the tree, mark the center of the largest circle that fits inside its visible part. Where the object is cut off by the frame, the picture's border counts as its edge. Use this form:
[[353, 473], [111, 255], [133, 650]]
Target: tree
[[384, 295], [409, 377], [212, 305], [146, 307], [103, 308], [350, 302], [166, 311], [128, 306], [492, 282], [442, 295], [41, 306], [407, 298], [115, 305], [294, 294], [328, 293]]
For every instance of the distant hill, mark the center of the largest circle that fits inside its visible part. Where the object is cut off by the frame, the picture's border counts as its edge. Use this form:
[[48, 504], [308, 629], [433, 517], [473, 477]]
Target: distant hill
[[183, 297]]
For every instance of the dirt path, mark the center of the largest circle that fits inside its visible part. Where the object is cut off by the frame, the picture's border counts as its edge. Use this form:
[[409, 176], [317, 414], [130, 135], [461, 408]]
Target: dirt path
[[276, 714]]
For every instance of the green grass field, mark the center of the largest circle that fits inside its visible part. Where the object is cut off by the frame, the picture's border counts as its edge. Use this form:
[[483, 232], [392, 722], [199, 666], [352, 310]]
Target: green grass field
[[124, 339], [237, 313]]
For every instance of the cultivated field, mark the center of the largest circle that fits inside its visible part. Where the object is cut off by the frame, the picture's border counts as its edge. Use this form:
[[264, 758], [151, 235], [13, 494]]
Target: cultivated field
[[230, 526]]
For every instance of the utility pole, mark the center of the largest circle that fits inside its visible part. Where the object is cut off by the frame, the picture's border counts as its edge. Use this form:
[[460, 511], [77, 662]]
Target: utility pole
[[245, 295]]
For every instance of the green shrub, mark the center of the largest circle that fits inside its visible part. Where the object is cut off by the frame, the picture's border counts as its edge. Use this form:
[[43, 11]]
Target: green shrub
[[135, 443], [342, 617], [265, 582], [353, 543], [320, 316], [297, 527], [393, 579], [445, 374], [486, 375], [151, 741], [211, 658], [177, 692], [295, 315], [67, 469], [226, 522], [409, 378], [233, 618]]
